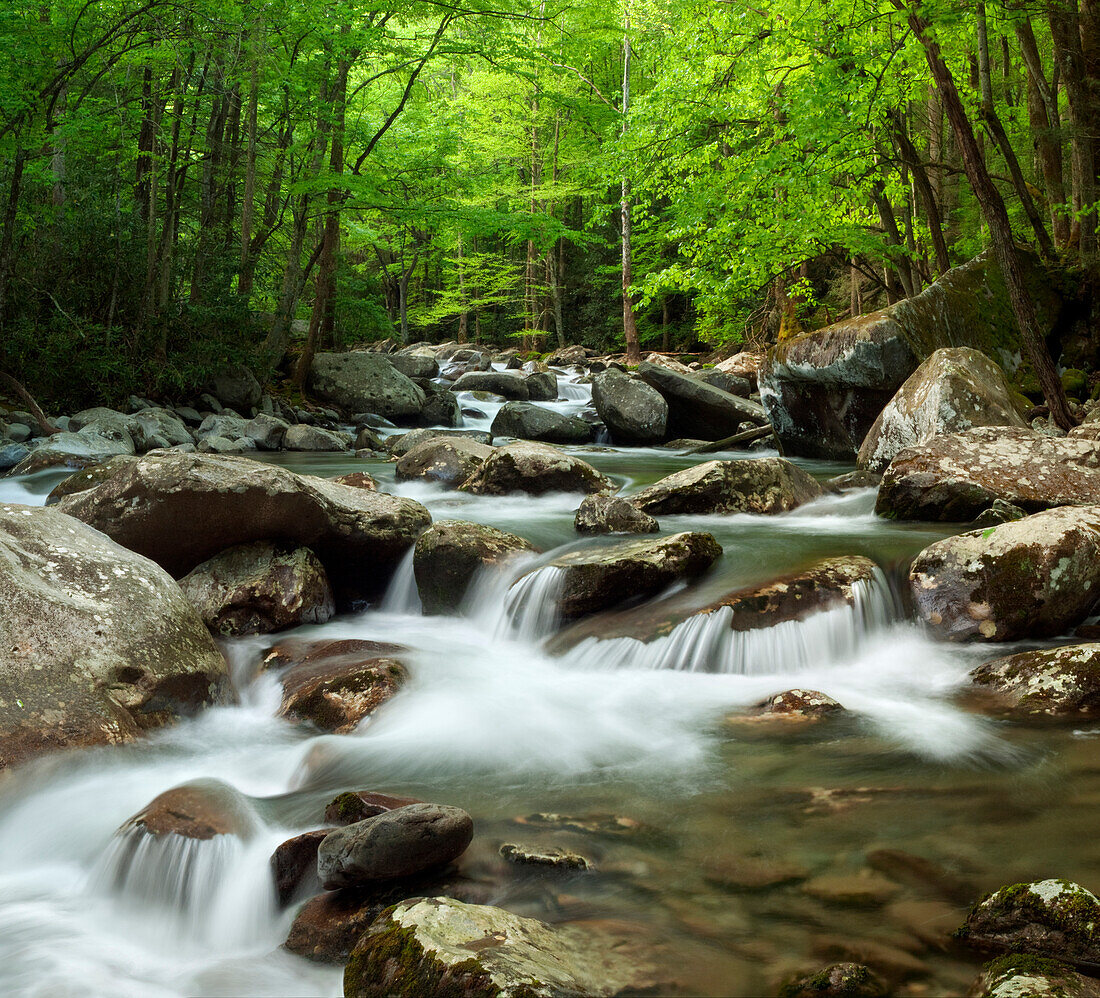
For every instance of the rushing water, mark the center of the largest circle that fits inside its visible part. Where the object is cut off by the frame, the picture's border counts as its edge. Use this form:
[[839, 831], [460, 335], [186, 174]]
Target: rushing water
[[495, 723]]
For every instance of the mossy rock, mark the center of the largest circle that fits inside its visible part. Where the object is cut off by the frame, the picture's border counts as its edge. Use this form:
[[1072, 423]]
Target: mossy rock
[[1021, 974], [1075, 383], [841, 980]]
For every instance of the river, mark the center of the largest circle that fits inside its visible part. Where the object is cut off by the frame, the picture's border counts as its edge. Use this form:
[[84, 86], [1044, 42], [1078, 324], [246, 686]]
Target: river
[[495, 724]]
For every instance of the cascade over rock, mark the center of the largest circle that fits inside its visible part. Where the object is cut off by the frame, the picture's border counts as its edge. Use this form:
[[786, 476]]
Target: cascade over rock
[[824, 389], [955, 389], [96, 643], [359, 535]]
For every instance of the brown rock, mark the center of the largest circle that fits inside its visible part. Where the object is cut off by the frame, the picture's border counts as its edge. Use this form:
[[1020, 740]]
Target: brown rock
[[447, 461], [604, 514], [922, 874], [358, 805], [294, 866], [336, 697], [536, 469], [357, 480], [199, 810], [860, 890], [752, 873]]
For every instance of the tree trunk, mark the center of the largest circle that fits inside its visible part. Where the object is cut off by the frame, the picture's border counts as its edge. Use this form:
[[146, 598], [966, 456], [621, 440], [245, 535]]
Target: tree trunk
[[7, 240], [1000, 230], [924, 191], [630, 326]]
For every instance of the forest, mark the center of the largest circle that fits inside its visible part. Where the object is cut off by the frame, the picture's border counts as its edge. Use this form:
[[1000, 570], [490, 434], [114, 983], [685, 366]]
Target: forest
[[187, 184]]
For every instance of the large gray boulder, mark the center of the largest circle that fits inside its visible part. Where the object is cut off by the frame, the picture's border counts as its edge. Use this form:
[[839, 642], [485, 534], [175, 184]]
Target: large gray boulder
[[450, 552], [696, 409], [394, 845], [152, 428], [259, 588], [763, 485], [632, 411], [415, 364], [955, 389], [180, 509], [536, 469], [314, 438], [595, 579], [438, 946], [824, 389], [542, 386], [82, 449], [1033, 577], [1055, 682], [509, 386], [96, 642], [528, 421], [604, 514], [957, 476], [236, 388], [366, 382], [448, 461]]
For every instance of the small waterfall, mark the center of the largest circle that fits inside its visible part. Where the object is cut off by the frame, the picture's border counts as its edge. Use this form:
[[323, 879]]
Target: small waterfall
[[402, 595], [705, 642], [515, 601], [572, 392]]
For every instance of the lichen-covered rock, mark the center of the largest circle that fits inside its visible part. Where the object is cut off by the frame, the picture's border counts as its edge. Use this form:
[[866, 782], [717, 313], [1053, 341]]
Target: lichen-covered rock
[[506, 385], [441, 408], [763, 485], [303, 437], [799, 705], [357, 480], [415, 364], [450, 552], [143, 504], [528, 421], [198, 810], [696, 409], [1054, 918], [841, 980], [632, 411], [258, 588], [546, 858], [955, 389], [448, 461], [404, 842], [824, 389], [999, 512], [1021, 975], [1029, 578], [1052, 681], [267, 432], [399, 446], [432, 947], [956, 476], [364, 381], [604, 514], [595, 579], [96, 643], [337, 690], [536, 469]]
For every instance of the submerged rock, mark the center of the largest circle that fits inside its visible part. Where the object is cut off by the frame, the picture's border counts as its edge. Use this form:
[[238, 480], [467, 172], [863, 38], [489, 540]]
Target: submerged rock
[[199, 810], [359, 535], [1033, 577], [841, 980], [1021, 975], [764, 485], [362, 381], [549, 858], [448, 555], [435, 947], [259, 588], [595, 579], [536, 469], [604, 514], [446, 460], [799, 705], [404, 842], [96, 643], [957, 476], [634, 412], [1055, 918], [955, 389], [528, 421], [1051, 681]]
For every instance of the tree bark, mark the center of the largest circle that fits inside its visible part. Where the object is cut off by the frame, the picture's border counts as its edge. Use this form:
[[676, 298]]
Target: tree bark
[[630, 325]]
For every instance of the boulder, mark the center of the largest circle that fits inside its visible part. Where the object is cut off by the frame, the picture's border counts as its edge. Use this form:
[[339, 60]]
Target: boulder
[[745, 365], [824, 389], [201, 810], [89, 477], [74, 450], [158, 427], [294, 866], [634, 412], [358, 805], [1052, 918], [568, 356], [446, 460], [404, 842], [955, 389], [799, 705], [366, 382], [12, 454], [604, 514], [1033, 577], [432, 947], [763, 485], [448, 555], [536, 469], [258, 588], [236, 388], [320, 655], [545, 858], [854, 480], [696, 409], [509, 386], [225, 426], [1022, 975], [1059, 682], [357, 480], [359, 535], [96, 643], [528, 421], [399, 446], [441, 409], [266, 432], [841, 980], [595, 579], [415, 365], [335, 692], [957, 476], [302, 437], [542, 386], [731, 383], [225, 445]]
